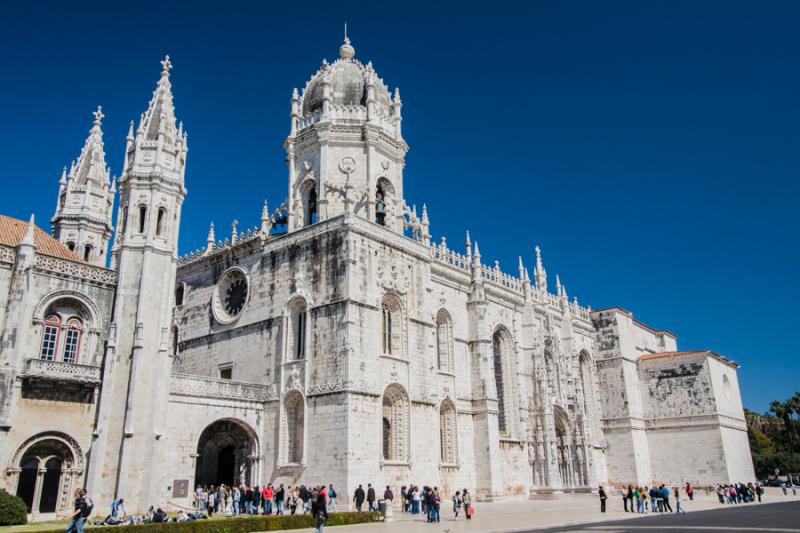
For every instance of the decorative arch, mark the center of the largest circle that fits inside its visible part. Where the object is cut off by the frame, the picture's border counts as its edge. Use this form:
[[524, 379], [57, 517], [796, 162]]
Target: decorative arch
[[444, 341], [448, 432], [587, 381], [227, 452], [501, 356], [384, 202], [395, 424], [393, 326], [64, 318], [308, 199], [44, 469], [90, 311], [293, 424], [297, 314]]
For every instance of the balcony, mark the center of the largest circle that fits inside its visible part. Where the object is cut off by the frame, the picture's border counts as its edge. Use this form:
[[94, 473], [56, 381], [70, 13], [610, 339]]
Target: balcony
[[40, 369]]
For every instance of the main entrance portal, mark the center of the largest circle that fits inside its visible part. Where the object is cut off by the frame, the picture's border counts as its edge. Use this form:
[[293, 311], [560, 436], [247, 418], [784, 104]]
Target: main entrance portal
[[225, 454]]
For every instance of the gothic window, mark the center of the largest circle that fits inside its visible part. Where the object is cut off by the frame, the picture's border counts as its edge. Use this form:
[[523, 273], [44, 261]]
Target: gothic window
[[71, 246], [391, 327], [395, 424], [447, 430], [298, 317], [180, 290], [142, 218], [52, 326], [293, 410], [310, 205], [380, 206], [62, 332], [500, 351], [444, 345], [161, 221], [87, 252], [48, 470], [72, 338]]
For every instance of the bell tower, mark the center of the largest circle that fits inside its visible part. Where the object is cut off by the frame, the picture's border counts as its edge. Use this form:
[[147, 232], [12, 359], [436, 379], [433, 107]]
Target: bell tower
[[345, 149], [138, 361], [82, 220]]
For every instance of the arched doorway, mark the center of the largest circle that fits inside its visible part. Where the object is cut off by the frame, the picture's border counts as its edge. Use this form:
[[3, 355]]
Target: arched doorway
[[226, 454], [46, 467]]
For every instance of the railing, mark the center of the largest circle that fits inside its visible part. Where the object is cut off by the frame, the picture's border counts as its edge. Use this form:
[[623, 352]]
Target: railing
[[61, 371], [79, 270], [241, 237], [205, 387]]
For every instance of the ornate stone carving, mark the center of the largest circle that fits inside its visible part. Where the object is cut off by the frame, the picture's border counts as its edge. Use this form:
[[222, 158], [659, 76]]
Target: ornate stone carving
[[204, 387]]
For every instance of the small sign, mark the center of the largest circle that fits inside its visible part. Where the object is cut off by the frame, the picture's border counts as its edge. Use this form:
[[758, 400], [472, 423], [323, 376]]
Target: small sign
[[180, 488]]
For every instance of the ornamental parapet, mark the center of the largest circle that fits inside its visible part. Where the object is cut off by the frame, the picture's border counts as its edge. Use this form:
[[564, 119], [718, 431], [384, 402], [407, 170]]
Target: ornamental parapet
[[41, 369], [75, 270], [206, 387]]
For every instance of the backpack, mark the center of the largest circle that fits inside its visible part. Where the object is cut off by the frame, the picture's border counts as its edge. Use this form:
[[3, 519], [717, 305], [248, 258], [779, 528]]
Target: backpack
[[331, 493]]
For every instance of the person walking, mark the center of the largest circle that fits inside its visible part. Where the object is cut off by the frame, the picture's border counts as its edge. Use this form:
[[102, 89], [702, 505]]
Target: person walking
[[456, 503], [388, 497], [678, 507], [235, 499], [467, 500], [637, 500], [319, 511], [371, 497], [625, 499], [602, 494], [358, 498], [759, 491], [80, 513], [415, 497], [331, 500], [689, 492]]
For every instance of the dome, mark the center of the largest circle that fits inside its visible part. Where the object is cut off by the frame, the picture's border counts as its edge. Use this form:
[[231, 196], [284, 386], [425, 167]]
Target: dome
[[348, 83]]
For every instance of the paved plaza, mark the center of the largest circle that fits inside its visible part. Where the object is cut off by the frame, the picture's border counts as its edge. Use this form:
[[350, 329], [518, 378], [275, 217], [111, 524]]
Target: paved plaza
[[581, 512]]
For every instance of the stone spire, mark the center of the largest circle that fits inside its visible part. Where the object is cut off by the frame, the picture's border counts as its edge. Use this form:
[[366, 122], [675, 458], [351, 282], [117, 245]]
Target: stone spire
[[540, 274], [468, 245], [210, 239], [159, 119], [82, 220], [265, 219], [30, 234]]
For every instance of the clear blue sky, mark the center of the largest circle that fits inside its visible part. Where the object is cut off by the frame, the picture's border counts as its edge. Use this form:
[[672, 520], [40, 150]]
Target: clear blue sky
[[650, 148]]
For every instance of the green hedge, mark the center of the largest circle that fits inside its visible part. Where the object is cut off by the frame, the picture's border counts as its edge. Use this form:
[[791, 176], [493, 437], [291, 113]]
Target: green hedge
[[246, 524], [13, 510]]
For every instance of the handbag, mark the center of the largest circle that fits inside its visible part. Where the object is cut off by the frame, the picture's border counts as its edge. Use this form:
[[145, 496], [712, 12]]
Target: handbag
[[470, 511]]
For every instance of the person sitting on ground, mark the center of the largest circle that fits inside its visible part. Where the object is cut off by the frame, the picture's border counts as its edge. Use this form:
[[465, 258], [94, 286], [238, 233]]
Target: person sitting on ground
[[159, 516]]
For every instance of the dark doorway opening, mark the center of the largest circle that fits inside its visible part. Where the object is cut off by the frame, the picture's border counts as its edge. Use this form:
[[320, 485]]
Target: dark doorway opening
[[50, 486], [27, 481], [226, 464]]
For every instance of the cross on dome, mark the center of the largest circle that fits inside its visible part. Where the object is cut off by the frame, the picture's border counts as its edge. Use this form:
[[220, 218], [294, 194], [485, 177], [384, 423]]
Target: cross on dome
[[166, 65], [98, 115]]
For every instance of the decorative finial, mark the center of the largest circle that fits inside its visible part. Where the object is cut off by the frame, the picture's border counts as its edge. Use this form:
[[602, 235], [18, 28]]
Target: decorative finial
[[98, 116], [166, 66], [346, 51]]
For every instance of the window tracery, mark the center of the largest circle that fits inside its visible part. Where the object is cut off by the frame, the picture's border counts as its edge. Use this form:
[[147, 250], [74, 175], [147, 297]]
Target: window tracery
[[448, 433], [395, 424]]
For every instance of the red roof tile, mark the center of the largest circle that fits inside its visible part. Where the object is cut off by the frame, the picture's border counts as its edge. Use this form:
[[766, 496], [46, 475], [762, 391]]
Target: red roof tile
[[13, 230]]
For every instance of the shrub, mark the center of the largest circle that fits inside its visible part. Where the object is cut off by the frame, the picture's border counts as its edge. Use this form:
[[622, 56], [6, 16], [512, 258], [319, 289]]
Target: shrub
[[13, 510], [245, 524]]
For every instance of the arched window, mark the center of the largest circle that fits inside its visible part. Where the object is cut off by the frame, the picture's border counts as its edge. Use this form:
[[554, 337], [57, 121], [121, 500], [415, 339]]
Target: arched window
[[310, 201], [500, 350], [180, 289], [142, 218], [161, 221], [298, 317], [52, 329], [391, 327], [395, 424], [448, 435], [380, 206], [293, 409], [444, 345], [62, 332], [71, 246], [87, 252], [72, 340]]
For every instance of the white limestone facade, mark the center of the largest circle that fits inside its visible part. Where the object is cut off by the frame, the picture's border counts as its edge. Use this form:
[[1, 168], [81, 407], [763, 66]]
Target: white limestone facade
[[335, 343]]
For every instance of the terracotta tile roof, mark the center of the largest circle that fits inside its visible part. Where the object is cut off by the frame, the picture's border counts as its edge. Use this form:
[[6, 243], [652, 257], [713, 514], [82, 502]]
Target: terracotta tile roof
[[715, 355], [13, 230], [659, 355]]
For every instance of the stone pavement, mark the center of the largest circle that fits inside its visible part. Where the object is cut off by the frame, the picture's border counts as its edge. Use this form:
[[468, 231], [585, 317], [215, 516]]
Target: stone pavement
[[524, 515]]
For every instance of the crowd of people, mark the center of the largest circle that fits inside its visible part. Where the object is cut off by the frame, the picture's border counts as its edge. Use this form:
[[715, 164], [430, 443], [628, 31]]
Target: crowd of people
[[428, 501], [657, 499]]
